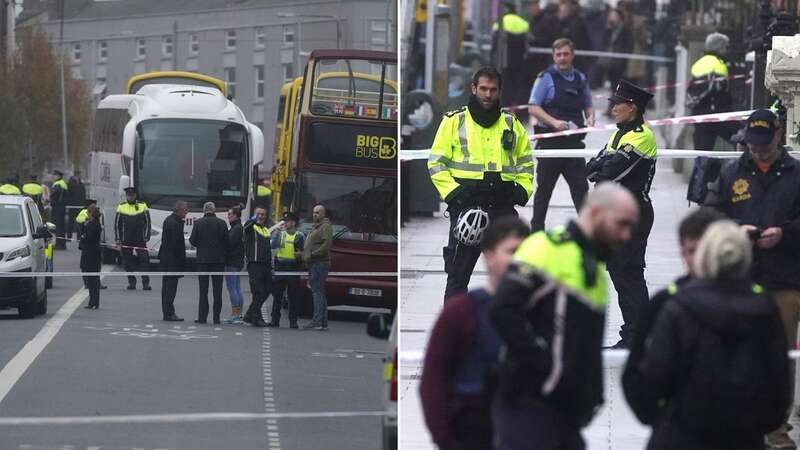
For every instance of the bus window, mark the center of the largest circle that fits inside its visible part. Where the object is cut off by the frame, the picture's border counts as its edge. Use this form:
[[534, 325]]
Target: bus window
[[354, 88]]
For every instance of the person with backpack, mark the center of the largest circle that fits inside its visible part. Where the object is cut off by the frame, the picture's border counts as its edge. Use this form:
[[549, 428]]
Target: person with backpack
[[463, 350], [717, 356]]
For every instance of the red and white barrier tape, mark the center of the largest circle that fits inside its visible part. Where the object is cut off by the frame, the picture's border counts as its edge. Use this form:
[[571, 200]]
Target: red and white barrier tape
[[657, 88], [106, 245]]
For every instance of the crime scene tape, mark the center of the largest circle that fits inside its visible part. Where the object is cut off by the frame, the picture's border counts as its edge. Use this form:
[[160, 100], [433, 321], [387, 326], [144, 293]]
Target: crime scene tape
[[685, 120], [187, 273], [658, 87], [669, 153], [414, 358], [639, 56]]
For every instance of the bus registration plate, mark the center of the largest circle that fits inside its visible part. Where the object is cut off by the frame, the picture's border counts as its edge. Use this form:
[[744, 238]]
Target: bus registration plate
[[365, 292]]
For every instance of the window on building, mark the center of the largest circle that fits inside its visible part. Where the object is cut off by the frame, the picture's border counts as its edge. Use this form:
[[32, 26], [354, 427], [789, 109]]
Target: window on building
[[288, 71], [194, 44], [230, 78], [288, 35], [377, 34], [141, 48], [166, 46], [230, 40], [76, 53], [259, 82], [102, 51], [259, 37]]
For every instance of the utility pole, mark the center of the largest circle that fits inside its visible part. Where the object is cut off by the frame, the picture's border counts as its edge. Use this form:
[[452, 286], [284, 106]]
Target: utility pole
[[63, 91]]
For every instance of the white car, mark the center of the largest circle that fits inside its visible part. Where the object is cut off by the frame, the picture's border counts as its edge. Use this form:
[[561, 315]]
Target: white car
[[23, 237], [377, 326]]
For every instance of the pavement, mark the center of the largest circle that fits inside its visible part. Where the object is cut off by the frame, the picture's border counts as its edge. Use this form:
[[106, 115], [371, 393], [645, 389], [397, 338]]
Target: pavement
[[172, 382], [422, 279]]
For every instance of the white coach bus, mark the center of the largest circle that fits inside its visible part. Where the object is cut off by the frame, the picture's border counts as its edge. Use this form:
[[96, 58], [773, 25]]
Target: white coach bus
[[173, 142]]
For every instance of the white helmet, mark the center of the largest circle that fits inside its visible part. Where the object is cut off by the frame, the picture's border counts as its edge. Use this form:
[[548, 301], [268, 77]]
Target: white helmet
[[470, 226]]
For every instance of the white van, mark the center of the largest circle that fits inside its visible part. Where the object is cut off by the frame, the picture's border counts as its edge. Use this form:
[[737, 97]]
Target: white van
[[23, 237]]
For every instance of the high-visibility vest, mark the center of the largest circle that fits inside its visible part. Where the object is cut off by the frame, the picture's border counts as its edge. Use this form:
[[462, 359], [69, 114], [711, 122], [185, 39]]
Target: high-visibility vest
[[558, 256], [32, 189], [709, 64], [286, 252], [263, 191], [513, 24], [82, 216], [61, 184], [464, 149], [10, 189]]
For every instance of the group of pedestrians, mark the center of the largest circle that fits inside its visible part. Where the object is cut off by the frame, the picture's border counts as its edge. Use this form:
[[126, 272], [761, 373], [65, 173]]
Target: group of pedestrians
[[705, 353], [221, 248]]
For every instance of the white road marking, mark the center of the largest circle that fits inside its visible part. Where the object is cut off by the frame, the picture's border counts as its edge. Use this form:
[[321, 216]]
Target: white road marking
[[181, 418], [20, 363]]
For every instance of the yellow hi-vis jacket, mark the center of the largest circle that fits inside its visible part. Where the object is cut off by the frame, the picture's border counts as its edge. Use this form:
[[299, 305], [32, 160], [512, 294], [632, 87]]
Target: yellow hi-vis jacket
[[10, 189], [462, 149]]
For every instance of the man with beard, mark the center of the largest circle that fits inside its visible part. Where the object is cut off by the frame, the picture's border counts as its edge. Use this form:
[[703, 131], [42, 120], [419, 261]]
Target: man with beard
[[550, 313], [481, 164]]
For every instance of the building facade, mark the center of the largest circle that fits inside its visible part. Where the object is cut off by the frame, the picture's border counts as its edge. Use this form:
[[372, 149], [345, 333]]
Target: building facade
[[254, 45]]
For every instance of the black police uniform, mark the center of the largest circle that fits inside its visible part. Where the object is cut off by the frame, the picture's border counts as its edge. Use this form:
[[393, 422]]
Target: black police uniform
[[568, 104], [133, 231], [58, 203], [259, 268], [629, 159]]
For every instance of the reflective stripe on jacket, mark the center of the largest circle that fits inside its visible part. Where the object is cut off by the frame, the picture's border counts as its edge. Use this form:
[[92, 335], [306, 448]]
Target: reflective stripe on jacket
[[464, 149]]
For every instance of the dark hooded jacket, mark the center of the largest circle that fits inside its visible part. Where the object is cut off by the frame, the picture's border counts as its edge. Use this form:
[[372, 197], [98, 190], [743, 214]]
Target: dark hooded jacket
[[677, 371]]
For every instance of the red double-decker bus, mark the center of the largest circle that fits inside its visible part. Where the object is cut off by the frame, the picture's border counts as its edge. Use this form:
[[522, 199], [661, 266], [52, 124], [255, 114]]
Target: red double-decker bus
[[337, 145]]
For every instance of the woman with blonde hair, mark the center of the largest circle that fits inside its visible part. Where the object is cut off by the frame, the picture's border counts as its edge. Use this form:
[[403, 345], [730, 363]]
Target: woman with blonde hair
[[717, 355]]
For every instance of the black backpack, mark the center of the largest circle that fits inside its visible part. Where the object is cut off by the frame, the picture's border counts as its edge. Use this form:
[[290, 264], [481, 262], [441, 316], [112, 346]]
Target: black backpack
[[706, 170], [737, 384]]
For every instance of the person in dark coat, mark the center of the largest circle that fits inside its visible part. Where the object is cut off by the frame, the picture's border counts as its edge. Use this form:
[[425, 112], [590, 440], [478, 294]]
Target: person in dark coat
[[58, 202], [717, 356], [172, 255], [210, 237], [90, 255]]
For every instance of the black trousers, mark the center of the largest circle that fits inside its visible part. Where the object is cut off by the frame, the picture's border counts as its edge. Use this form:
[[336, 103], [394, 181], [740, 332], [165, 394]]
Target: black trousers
[[93, 285], [460, 259], [60, 221], [626, 268], [216, 280], [169, 288], [133, 260], [260, 275], [705, 134], [281, 285], [547, 172]]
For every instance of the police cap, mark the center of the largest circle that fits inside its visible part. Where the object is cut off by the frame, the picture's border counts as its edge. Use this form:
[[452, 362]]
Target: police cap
[[627, 92], [129, 190], [761, 127], [288, 215]]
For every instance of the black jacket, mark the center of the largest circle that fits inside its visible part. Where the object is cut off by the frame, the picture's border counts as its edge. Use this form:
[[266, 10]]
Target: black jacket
[[235, 254], [257, 245], [210, 237], [644, 404], [771, 199], [173, 248], [90, 246], [132, 223], [670, 365]]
